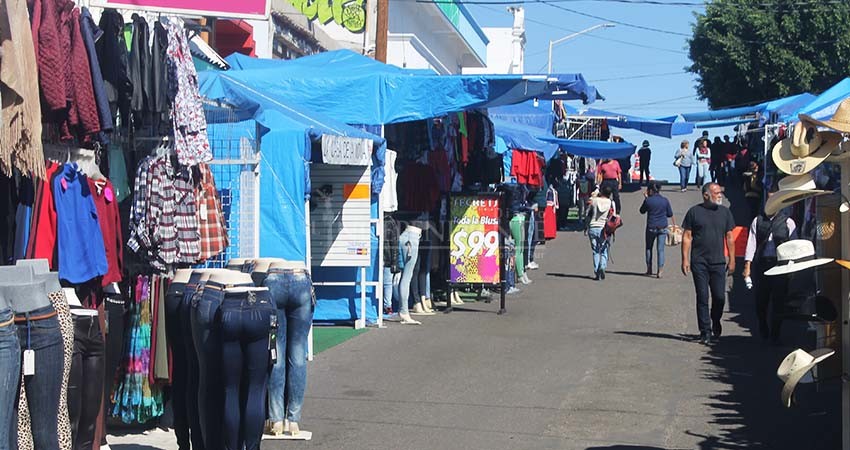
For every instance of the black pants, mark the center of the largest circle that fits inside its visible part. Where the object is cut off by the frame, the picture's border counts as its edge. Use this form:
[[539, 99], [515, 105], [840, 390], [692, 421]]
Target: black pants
[[709, 279], [85, 385], [615, 192], [115, 308], [644, 170], [769, 290]]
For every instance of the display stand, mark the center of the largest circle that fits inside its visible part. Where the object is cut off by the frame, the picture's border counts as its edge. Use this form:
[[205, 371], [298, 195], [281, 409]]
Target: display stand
[[476, 244]]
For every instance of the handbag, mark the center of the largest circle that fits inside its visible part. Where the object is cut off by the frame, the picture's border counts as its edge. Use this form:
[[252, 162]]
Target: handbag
[[674, 235], [678, 161]]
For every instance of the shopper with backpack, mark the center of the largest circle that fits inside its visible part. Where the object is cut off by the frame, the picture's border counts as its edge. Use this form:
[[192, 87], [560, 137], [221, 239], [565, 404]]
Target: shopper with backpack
[[600, 210]]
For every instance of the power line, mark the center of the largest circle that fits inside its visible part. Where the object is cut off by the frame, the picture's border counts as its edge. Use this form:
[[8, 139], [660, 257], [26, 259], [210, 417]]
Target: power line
[[618, 22], [657, 102], [648, 75]]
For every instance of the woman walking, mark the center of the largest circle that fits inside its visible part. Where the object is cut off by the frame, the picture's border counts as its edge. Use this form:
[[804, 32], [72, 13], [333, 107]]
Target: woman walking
[[703, 154], [597, 216], [684, 159], [657, 209]]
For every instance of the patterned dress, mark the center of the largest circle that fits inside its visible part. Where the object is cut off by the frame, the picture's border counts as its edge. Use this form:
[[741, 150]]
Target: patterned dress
[[66, 327]]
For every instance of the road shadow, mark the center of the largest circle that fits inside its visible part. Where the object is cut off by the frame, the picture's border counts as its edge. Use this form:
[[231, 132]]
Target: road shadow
[[570, 275], [631, 447], [748, 411], [630, 274], [673, 337]]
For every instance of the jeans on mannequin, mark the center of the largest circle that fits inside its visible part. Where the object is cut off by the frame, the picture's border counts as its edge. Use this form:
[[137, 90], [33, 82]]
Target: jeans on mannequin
[[532, 223], [45, 386], [409, 245], [424, 273], [10, 376], [391, 281], [206, 335], [184, 404], [85, 387], [245, 328], [292, 294]]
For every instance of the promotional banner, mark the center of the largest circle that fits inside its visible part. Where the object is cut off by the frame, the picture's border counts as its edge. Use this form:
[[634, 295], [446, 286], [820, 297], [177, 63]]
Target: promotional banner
[[243, 9], [474, 239]]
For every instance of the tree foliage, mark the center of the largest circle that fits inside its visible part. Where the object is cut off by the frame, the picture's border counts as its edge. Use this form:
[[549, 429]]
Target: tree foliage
[[748, 51]]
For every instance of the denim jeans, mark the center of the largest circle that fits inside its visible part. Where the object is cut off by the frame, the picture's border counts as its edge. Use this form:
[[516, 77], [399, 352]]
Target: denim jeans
[[245, 330], [599, 247], [292, 295], [709, 278], [45, 387], [702, 173], [657, 236], [424, 273], [409, 245], [10, 376], [529, 248], [684, 176], [85, 385], [184, 369], [206, 336], [391, 281]]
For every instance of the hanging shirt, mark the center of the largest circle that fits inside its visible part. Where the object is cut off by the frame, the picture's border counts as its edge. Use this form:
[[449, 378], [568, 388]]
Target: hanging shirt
[[211, 225], [110, 227], [78, 237], [389, 193], [42, 237]]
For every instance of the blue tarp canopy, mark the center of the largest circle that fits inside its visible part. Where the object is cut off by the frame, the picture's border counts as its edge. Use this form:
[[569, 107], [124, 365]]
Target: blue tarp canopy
[[593, 149], [824, 106], [522, 137], [540, 116], [655, 127], [572, 86], [780, 106]]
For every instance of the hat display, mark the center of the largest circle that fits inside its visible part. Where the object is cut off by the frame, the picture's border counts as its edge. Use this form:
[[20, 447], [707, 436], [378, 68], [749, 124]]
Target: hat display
[[796, 365], [792, 189], [794, 256], [840, 121], [805, 149]]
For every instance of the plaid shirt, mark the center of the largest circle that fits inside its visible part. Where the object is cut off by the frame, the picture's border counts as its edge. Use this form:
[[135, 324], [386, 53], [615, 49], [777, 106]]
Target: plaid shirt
[[211, 222], [174, 223], [139, 237]]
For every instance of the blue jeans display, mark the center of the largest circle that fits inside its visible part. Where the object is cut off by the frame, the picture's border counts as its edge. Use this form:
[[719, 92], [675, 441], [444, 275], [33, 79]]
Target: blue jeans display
[[206, 336], [10, 376], [409, 246], [709, 278], [599, 247], [391, 286], [245, 330], [45, 387], [424, 272], [657, 237], [291, 292], [529, 248], [184, 371], [684, 176]]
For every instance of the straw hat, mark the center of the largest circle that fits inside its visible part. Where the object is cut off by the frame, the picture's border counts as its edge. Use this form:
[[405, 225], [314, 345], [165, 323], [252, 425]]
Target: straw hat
[[794, 256], [805, 149], [796, 365], [792, 189], [840, 121]]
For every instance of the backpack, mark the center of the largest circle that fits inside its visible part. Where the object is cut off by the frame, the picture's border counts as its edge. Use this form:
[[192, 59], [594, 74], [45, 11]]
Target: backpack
[[614, 221], [777, 226]]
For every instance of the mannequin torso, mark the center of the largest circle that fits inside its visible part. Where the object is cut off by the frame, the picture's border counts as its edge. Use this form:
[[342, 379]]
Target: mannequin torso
[[236, 263], [26, 297], [230, 277], [182, 276]]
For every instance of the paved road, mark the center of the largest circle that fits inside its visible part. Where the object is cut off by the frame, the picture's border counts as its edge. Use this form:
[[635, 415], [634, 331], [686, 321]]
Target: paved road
[[575, 364]]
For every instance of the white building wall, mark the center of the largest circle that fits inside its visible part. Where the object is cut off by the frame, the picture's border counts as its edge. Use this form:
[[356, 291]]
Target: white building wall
[[500, 52], [417, 38]]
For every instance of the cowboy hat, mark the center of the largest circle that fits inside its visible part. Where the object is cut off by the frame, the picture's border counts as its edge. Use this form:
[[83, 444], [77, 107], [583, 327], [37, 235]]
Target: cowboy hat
[[792, 189], [796, 365], [794, 256], [805, 149], [840, 121]]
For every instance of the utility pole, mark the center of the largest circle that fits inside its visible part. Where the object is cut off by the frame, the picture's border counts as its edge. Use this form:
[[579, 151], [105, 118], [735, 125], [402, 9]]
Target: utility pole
[[383, 30], [574, 35]]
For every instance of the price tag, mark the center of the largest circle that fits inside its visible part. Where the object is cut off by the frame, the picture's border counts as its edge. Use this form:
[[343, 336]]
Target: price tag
[[475, 243], [29, 362]]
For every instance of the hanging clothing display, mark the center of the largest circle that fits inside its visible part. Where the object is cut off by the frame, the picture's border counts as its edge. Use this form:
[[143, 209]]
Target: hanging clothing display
[[211, 226], [110, 226], [419, 188], [527, 167], [389, 193]]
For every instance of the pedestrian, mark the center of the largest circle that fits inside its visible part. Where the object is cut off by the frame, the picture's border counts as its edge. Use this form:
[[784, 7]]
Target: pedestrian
[[707, 227], [684, 159], [597, 215], [657, 209], [644, 155], [703, 156], [609, 174], [766, 233], [718, 161]]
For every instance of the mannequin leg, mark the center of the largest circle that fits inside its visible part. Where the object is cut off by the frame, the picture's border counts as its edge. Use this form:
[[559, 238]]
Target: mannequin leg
[[87, 372], [299, 317], [45, 387], [10, 375]]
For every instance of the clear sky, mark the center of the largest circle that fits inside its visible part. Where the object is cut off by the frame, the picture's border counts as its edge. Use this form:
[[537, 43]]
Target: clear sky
[[639, 71]]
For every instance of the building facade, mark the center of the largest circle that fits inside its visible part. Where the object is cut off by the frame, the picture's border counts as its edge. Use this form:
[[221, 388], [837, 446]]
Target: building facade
[[506, 50]]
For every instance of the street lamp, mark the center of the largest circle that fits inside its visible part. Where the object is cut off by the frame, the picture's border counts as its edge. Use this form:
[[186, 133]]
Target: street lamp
[[566, 38]]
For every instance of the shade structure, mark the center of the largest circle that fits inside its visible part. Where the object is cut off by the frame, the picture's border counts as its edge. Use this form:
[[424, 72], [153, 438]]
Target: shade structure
[[522, 137], [824, 105], [540, 116], [655, 127], [593, 149], [780, 106]]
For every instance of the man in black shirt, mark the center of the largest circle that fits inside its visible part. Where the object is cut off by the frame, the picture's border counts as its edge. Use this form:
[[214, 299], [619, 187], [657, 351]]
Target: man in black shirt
[[708, 227], [644, 155]]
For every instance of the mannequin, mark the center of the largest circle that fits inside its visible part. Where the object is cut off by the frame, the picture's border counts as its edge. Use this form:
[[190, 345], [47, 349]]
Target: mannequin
[[206, 302], [187, 426], [409, 248], [85, 388], [248, 322], [10, 369], [261, 267], [291, 290], [236, 263], [41, 344]]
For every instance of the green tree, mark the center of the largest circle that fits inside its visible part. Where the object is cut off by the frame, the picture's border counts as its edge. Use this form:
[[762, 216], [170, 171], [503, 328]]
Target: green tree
[[748, 51]]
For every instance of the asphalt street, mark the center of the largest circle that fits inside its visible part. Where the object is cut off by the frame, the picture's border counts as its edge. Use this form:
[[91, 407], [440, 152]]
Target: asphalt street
[[574, 364]]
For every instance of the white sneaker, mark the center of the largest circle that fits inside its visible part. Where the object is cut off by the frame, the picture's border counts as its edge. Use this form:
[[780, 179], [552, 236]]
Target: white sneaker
[[394, 317], [456, 301], [407, 320], [512, 290], [525, 279], [418, 310], [532, 266]]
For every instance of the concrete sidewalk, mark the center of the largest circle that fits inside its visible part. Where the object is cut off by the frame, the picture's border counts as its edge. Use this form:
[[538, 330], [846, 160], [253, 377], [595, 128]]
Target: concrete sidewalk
[[574, 364]]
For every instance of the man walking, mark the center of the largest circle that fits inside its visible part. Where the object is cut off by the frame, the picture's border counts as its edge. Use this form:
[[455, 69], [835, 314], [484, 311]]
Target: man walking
[[609, 174], [707, 227], [644, 155]]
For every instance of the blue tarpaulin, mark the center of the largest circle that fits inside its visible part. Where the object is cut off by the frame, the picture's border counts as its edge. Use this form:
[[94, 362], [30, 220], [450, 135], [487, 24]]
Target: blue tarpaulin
[[540, 116], [572, 86], [655, 127], [522, 137], [781, 106], [593, 149], [824, 106]]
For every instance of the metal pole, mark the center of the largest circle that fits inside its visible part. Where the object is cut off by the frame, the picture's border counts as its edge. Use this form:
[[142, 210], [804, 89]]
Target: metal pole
[[551, 44], [566, 38], [845, 311]]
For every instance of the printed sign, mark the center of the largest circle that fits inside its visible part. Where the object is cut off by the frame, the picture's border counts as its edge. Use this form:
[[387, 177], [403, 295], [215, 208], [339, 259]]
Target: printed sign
[[340, 212], [243, 9], [474, 239], [346, 151]]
